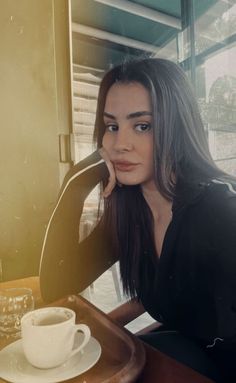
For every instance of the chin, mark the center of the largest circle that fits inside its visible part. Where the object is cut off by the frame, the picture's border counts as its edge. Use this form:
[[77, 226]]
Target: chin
[[128, 181]]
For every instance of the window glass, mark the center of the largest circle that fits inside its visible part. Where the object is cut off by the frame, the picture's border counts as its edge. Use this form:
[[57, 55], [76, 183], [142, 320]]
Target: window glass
[[215, 50]]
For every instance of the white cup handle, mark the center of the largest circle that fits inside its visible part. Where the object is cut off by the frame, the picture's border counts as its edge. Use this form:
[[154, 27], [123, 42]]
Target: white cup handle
[[87, 334]]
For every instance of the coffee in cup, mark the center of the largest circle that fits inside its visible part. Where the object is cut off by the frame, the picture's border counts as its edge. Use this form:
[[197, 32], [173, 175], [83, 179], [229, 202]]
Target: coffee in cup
[[48, 336]]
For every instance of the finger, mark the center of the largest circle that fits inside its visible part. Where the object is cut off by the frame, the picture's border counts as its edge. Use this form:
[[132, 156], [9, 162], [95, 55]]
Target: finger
[[109, 187], [111, 182], [112, 176]]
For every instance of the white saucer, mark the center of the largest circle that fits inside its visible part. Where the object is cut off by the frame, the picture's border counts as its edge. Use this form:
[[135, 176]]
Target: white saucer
[[15, 368]]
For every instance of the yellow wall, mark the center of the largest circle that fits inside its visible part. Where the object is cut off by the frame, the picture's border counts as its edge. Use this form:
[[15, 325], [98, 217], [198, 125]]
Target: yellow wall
[[35, 107]]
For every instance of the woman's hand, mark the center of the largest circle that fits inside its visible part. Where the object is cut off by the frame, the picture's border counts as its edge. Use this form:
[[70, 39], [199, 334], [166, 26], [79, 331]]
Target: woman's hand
[[112, 178]]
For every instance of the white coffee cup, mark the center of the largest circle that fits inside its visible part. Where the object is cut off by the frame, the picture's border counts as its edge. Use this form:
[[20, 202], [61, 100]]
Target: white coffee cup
[[48, 336]]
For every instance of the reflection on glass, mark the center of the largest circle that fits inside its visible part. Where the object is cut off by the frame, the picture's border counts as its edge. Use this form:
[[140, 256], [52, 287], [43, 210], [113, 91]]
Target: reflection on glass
[[218, 106], [216, 25]]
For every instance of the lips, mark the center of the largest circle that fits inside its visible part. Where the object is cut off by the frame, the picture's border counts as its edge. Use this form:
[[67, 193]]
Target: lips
[[124, 166]]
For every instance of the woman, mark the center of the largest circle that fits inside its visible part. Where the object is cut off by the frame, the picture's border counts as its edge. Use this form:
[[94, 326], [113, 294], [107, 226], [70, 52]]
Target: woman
[[169, 217]]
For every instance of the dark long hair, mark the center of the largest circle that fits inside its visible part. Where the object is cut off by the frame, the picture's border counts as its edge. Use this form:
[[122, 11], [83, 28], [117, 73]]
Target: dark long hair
[[180, 148]]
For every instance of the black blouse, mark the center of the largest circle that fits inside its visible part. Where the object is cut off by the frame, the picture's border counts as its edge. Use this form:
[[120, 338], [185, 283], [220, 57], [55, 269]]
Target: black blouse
[[192, 286]]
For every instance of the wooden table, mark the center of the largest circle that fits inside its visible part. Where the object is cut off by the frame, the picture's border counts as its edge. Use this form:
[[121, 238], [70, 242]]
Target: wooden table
[[158, 367]]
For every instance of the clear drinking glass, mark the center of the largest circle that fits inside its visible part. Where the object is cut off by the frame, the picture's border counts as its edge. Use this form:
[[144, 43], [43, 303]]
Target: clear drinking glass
[[14, 303]]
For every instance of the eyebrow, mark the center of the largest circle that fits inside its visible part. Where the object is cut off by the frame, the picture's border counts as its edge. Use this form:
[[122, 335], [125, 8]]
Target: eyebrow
[[130, 115]]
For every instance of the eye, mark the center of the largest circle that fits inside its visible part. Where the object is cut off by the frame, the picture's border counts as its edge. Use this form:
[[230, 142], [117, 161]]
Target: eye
[[111, 127], [143, 127]]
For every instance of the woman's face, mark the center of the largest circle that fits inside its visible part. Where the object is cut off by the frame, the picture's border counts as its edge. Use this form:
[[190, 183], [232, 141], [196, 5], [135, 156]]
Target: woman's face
[[128, 138]]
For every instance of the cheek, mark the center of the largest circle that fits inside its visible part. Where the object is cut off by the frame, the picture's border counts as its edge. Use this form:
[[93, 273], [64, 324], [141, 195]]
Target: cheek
[[106, 142], [147, 148], [148, 153]]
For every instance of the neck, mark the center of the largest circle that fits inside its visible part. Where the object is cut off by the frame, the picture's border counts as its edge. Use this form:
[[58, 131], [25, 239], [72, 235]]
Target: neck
[[159, 205]]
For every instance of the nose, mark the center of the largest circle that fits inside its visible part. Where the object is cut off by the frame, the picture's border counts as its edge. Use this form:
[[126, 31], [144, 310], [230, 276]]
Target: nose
[[123, 142]]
